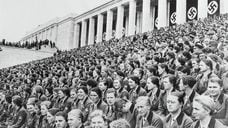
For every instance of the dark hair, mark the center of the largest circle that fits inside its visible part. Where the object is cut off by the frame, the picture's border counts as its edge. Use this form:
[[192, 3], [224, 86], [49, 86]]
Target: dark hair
[[84, 89], [189, 80], [155, 80], [164, 66], [208, 63], [135, 79], [173, 81], [98, 91]]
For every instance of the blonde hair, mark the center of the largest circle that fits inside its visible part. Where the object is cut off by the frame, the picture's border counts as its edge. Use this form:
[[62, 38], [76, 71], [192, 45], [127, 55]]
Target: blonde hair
[[206, 101]]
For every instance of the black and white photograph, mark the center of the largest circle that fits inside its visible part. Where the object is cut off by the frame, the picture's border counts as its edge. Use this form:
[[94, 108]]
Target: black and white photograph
[[113, 63]]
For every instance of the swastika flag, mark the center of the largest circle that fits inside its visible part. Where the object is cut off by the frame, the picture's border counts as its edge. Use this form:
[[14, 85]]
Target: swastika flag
[[172, 13], [213, 8], [191, 10]]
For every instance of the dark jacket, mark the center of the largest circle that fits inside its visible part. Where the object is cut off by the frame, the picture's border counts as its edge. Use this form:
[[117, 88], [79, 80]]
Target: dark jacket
[[151, 120], [20, 118], [212, 124], [182, 121]]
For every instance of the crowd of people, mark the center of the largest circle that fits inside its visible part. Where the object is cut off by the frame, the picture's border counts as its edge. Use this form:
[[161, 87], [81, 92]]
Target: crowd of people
[[29, 45], [174, 77]]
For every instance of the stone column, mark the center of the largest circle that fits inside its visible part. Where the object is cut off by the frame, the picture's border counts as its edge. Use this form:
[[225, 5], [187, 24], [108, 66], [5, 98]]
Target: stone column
[[100, 20], [146, 16], [119, 24], [152, 16], [202, 8], [223, 7], [91, 30], [181, 11], [109, 25], [83, 33], [76, 35], [132, 15], [162, 13]]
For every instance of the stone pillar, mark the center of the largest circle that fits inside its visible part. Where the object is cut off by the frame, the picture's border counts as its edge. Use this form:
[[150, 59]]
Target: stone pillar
[[181, 11], [146, 16], [76, 35], [119, 24], [91, 30], [223, 7], [126, 25], [132, 15], [139, 22], [202, 8], [100, 20], [152, 16], [162, 13], [109, 25], [83, 33]]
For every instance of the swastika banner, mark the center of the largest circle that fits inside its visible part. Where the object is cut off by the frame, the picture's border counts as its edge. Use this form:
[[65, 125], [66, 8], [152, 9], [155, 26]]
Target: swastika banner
[[213, 8], [156, 17], [172, 13], [192, 10]]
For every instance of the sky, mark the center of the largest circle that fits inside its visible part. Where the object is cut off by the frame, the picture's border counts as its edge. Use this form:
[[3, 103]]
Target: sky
[[20, 16]]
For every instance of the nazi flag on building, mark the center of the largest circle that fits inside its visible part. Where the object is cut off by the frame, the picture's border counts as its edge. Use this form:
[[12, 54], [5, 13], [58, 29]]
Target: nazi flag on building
[[191, 10], [172, 13], [213, 8]]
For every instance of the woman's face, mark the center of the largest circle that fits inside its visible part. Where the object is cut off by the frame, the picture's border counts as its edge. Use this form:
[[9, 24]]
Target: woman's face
[[94, 97], [61, 95], [50, 117], [149, 84], [43, 110], [102, 86], [73, 94], [81, 94], [60, 122], [97, 122]]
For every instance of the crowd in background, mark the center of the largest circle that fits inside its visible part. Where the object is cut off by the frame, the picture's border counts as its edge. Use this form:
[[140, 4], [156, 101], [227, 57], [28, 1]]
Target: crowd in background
[[174, 77], [29, 45]]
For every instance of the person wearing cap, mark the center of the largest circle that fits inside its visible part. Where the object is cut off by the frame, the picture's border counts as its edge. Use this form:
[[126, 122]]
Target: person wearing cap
[[176, 117], [144, 115], [203, 108], [20, 114], [215, 91]]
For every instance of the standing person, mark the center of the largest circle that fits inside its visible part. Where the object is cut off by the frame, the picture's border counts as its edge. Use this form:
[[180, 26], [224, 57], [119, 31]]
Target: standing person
[[42, 121], [32, 115], [75, 119], [176, 118], [20, 115], [203, 107], [118, 86], [145, 116], [215, 91]]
